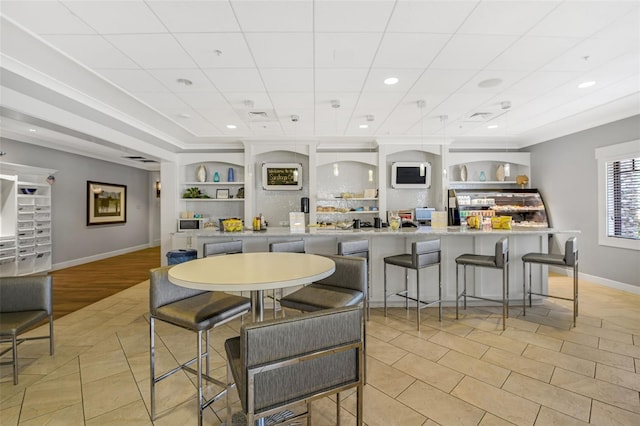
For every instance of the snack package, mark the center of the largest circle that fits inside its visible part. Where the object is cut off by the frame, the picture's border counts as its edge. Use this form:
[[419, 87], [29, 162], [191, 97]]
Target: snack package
[[501, 222], [474, 222]]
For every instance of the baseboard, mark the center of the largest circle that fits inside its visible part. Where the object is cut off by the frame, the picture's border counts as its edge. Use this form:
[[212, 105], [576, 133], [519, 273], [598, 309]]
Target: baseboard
[[83, 260], [599, 280]]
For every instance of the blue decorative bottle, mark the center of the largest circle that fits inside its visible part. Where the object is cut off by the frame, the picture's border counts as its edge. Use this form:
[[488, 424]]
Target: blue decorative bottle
[[230, 175], [216, 177]]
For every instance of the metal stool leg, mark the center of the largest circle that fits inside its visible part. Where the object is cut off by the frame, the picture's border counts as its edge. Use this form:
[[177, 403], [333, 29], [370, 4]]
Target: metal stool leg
[[457, 289], [418, 297], [385, 290]]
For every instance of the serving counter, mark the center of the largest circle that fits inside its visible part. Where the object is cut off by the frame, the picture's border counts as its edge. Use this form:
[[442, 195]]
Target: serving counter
[[383, 242]]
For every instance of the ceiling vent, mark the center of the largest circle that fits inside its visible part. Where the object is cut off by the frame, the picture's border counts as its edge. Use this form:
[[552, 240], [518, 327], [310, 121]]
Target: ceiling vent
[[139, 158], [258, 116], [479, 117]]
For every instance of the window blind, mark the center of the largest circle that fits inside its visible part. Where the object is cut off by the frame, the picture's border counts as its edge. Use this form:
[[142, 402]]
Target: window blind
[[623, 198]]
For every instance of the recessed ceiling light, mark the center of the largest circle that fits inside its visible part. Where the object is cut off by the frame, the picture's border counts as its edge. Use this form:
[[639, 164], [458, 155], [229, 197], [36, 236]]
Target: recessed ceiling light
[[184, 81], [490, 82], [586, 84], [184, 115], [231, 126], [364, 126], [492, 126], [32, 130], [391, 81]]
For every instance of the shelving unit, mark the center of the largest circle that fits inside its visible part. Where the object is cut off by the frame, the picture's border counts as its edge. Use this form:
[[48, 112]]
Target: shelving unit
[[487, 162], [25, 246]]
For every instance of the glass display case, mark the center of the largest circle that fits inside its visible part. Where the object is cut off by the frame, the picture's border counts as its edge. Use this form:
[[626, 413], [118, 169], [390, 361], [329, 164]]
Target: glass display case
[[525, 206]]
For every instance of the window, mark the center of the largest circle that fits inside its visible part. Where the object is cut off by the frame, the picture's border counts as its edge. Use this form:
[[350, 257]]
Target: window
[[619, 195]]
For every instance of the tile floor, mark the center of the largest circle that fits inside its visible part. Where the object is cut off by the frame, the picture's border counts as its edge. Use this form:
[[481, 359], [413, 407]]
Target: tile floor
[[469, 372]]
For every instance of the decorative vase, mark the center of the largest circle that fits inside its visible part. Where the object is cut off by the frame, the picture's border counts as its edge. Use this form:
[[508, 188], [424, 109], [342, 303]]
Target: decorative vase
[[216, 177], [201, 173], [230, 175], [483, 177], [500, 173], [463, 173]]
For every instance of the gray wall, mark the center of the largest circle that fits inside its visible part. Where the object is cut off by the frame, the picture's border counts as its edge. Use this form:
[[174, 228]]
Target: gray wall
[[72, 238], [565, 171]]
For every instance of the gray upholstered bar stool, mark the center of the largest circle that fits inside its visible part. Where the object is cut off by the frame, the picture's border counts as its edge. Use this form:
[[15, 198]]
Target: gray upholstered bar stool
[[288, 247], [359, 248], [500, 260], [568, 260], [423, 254], [225, 247], [193, 310]]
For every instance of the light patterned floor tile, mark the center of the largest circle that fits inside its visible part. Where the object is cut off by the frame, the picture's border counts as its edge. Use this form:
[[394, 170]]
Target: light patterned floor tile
[[620, 348], [569, 336], [497, 401], [67, 416], [549, 417], [459, 344], [440, 406], [606, 415], [48, 396], [533, 339], [470, 366], [109, 393], [388, 379], [383, 351], [598, 355], [429, 372], [528, 367], [606, 333], [491, 420], [424, 348], [498, 341], [602, 391], [549, 396], [561, 360], [619, 377], [382, 410], [134, 414]]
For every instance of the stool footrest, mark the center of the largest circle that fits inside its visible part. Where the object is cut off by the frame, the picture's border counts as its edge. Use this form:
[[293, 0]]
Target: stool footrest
[[424, 303], [548, 295], [484, 298]]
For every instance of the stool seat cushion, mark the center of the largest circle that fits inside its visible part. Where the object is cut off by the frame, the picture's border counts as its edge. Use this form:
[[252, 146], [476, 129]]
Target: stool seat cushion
[[204, 311], [477, 260], [406, 260], [318, 296], [14, 323], [546, 258]]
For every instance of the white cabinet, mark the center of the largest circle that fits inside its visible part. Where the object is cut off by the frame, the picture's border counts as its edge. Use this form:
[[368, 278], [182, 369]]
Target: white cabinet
[[25, 239]]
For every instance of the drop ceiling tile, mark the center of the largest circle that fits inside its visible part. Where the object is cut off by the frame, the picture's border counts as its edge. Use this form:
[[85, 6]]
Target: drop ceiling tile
[[460, 105], [340, 79], [260, 101], [471, 51], [278, 16], [153, 51], [541, 82], [169, 78], [421, 16], [117, 17], [91, 50], [532, 53], [407, 78], [133, 80], [223, 116], [410, 50], [235, 79], [200, 99], [288, 79], [45, 17], [345, 50], [442, 80], [580, 19], [506, 18], [162, 100], [508, 78], [217, 50], [281, 50], [352, 16], [291, 101], [195, 16]]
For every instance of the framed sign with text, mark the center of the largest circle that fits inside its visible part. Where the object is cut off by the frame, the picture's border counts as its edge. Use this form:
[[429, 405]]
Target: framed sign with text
[[281, 176]]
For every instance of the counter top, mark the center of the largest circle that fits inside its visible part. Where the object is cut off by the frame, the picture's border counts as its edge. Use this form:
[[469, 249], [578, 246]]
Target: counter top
[[404, 232]]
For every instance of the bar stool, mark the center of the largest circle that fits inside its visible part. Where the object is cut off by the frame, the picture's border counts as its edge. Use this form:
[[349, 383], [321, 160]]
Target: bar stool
[[289, 247], [498, 261], [193, 310], [359, 248], [423, 254], [568, 260], [226, 247]]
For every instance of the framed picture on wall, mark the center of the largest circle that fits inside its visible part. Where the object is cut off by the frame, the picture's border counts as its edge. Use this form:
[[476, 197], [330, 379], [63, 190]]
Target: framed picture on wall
[[282, 176], [106, 203], [222, 194]]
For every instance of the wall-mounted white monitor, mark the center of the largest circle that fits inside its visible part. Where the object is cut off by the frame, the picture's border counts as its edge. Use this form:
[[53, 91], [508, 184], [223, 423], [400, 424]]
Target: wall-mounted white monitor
[[411, 175]]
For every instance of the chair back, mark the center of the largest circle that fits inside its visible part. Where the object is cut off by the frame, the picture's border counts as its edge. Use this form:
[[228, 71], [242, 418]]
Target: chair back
[[283, 361], [162, 291], [358, 248], [226, 247], [288, 246], [502, 252], [28, 293], [571, 251], [351, 273], [425, 253]]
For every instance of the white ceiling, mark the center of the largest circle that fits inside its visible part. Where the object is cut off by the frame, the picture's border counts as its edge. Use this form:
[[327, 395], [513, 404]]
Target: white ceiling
[[110, 69]]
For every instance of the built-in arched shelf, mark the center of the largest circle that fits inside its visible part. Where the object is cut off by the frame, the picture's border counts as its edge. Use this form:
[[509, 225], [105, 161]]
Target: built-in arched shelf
[[465, 169]]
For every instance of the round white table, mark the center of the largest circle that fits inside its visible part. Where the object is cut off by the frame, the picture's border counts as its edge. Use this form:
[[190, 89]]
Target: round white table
[[253, 272]]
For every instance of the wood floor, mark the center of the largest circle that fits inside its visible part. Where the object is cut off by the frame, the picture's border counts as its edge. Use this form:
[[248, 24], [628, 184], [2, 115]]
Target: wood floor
[[79, 286]]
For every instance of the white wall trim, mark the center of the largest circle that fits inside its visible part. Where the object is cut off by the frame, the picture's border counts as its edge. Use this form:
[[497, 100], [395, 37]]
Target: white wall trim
[[629, 288], [83, 260]]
